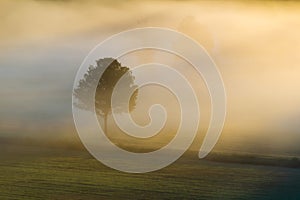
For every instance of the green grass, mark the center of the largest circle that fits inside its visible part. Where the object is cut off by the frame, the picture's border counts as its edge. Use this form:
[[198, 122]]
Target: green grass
[[49, 173]]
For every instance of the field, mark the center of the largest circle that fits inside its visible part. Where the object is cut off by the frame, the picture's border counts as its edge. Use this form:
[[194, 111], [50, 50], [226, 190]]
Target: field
[[29, 172]]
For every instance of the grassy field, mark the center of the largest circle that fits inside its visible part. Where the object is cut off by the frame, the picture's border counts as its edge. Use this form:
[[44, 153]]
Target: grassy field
[[28, 172]]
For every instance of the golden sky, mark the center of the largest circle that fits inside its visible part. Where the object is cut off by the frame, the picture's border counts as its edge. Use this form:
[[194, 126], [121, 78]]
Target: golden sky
[[255, 46]]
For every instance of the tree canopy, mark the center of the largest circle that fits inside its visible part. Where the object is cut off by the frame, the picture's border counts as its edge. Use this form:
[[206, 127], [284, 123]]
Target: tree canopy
[[105, 86]]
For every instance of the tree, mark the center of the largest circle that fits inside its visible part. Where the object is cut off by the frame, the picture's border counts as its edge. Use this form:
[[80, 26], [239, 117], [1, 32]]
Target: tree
[[111, 75]]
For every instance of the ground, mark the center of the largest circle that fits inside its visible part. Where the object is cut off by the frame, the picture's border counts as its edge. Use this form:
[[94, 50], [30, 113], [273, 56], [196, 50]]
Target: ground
[[30, 172]]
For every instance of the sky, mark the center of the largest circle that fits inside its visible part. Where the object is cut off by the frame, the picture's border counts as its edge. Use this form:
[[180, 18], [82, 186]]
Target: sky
[[255, 46]]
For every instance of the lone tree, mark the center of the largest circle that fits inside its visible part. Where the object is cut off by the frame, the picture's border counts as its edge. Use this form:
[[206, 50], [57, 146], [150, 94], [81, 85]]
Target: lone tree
[[111, 75]]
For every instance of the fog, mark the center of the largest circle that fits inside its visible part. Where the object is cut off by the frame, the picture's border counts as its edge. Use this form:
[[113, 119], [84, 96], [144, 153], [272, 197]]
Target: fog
[[255, 46]]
